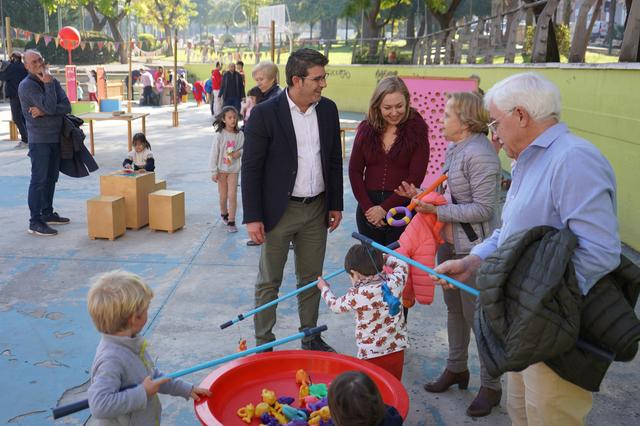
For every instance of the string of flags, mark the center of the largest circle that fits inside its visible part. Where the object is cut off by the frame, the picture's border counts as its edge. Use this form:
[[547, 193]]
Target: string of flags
[[26, 35]]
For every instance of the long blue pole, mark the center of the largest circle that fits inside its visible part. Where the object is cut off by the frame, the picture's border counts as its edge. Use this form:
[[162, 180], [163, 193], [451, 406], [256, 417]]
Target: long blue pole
[[582, 344], [418, 265], [247, 314], [65, 410]]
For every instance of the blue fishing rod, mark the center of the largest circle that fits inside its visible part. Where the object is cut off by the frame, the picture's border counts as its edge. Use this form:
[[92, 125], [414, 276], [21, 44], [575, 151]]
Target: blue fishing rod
[[65, 410]]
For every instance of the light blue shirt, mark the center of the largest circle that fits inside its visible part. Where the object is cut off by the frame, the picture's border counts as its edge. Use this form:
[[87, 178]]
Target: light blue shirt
[[561, 180]]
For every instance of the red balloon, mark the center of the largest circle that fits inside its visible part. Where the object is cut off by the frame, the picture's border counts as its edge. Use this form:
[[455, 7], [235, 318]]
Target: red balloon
[[69, 38]]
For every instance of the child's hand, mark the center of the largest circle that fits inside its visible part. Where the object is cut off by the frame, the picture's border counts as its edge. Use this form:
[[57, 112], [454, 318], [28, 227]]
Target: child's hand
[[196, 392], [214, 177], [128, 166], [151, 386], [236, 154], [322, 283]]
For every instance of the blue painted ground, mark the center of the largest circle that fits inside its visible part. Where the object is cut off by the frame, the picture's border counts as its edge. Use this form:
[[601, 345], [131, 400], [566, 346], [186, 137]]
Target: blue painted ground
[[202, 276]]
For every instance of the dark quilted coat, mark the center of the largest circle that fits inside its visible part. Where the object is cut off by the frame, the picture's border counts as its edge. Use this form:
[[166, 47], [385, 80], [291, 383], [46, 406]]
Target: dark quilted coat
[[608, 320], [529, 305]]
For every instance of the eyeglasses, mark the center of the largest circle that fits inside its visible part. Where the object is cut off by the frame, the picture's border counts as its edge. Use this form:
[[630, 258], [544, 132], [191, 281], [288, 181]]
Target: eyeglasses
[[322, 78], [493, 126]]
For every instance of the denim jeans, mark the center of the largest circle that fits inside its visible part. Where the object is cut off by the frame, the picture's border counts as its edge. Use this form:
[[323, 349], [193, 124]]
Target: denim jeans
[[45, 168]]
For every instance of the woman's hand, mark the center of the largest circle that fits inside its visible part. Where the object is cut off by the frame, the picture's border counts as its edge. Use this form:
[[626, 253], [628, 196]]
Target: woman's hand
[[422, 207], [214, 177], [376, 216], [407, 190]]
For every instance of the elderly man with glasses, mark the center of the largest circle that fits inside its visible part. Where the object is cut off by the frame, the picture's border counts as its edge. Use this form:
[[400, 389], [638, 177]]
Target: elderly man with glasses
[[559, 180]]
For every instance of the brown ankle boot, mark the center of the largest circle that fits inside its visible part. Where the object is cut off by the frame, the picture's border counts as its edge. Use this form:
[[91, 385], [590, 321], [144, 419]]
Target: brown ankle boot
[[484, 402], [448, 379]]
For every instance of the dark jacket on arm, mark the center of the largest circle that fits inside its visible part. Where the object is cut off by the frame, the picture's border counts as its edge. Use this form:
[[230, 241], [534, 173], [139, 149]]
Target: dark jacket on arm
[[530, 309], [270, 159], [75, 158]]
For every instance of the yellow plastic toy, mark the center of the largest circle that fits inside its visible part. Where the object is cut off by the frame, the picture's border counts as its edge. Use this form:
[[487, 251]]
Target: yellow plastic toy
[[269, 396], [304, 391], [322, 414], [302, 378], [261, 408], [246, 413]]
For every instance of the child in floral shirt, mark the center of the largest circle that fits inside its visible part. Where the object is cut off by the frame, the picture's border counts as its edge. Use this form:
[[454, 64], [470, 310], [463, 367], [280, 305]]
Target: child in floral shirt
[[380, 336]]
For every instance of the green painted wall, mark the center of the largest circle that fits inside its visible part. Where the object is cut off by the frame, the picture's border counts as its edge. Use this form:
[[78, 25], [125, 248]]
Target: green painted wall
[[601, 104]]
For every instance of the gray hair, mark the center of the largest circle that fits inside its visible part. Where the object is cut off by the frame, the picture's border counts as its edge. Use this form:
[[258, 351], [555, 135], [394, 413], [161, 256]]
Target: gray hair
[[268, 68], [31, 52], [536, 94]]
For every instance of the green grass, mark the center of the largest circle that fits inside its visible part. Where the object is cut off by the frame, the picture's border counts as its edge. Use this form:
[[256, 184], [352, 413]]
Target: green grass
[[341, 55]]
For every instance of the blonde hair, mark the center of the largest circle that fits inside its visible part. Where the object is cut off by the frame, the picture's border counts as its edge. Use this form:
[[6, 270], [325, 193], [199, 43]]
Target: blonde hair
[[386, 86], [268, 68], [114, 298], [470, 110]]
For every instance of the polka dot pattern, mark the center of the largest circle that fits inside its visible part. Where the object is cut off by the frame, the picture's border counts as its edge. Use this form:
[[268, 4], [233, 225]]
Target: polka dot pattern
[[429, 96]]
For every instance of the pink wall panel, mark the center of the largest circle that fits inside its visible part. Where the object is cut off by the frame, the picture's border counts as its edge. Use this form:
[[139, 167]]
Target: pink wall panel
[[428, 97]]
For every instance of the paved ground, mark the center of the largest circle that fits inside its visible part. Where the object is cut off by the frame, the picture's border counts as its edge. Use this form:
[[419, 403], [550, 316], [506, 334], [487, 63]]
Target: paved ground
[[202, 276]]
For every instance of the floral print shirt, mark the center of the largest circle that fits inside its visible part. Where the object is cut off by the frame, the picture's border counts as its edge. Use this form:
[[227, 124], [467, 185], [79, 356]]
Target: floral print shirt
[[377, 332]]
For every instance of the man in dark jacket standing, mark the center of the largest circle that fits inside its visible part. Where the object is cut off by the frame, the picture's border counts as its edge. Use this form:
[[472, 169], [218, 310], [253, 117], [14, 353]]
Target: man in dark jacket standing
[[559, 180], [44, 104], [232, 88], [13, 74], [292, 188]]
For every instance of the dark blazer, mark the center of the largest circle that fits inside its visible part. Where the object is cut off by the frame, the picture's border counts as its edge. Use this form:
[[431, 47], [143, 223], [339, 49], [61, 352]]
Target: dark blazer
[[270, 159], [75, 158]]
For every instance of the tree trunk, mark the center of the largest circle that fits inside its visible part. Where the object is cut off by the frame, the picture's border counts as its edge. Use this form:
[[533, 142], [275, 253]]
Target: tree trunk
[[371, 32], [117, 37], [168, 35], [97, 23], [410, 32], [630, 49], [567, 10], [582, 31], [328, 28]]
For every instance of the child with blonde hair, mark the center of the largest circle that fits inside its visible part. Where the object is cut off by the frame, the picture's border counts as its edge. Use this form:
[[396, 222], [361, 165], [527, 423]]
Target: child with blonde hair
[[124, 380], [224, 161]]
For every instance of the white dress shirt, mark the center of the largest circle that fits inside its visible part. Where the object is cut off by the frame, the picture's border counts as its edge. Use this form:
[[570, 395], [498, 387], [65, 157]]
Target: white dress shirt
[[309, 180]]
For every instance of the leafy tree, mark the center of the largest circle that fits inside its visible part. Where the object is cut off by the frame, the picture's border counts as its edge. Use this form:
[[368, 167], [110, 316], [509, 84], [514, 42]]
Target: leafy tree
[[102, 12], [377, 14], [165, 14]]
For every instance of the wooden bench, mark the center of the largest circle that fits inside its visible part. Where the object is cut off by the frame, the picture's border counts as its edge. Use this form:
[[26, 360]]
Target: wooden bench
[[13, 130], [343, 137]]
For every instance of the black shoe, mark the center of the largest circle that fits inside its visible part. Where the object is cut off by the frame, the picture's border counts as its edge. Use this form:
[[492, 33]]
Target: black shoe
[[252, 243], [41, 228], [55, 219], [317, 344]]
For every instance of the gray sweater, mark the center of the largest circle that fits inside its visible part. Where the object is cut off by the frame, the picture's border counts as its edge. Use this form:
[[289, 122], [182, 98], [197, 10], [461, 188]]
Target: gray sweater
[[474, 174], [121, 362], [50, 99]]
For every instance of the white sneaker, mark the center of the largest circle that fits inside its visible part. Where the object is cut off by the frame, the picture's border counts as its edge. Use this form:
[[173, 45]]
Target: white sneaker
[[21, 145]]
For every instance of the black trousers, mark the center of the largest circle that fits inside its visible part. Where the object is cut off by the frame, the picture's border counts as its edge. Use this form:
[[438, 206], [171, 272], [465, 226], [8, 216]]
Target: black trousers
[[384, 235], [18, 118]]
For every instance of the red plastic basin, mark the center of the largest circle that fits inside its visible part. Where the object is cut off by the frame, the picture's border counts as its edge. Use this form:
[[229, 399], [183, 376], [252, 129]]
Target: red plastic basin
[[241, 381]]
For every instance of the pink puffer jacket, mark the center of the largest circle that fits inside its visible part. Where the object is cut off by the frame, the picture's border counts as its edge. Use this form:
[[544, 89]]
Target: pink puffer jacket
[[420, 242]]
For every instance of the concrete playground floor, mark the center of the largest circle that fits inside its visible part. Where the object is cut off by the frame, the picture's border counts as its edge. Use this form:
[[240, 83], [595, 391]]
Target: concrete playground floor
[[202, 276]]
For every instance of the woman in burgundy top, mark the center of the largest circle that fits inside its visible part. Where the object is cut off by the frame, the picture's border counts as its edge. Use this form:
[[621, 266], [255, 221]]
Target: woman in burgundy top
[[391, 145]]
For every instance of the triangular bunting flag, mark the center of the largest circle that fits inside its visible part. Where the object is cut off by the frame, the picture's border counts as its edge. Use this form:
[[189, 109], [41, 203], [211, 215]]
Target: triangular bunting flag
[[100, 44], [83, 44], [91, 45], [15, 30], [27, 34], [56, 40], [47, 40], [37, 37]]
